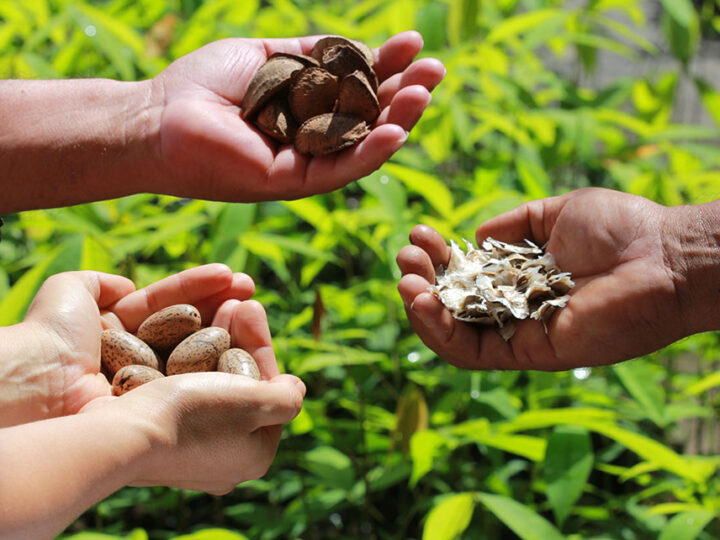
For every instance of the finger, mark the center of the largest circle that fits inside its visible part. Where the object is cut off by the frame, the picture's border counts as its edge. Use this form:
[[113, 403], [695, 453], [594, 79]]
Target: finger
[[533, 220], [187, 287], [327, 173], [414, 260], [406, 108], [224, 314], [462, 344], [242, 287], [249, 330], [396, 53], [426, 72], [429, 240], [273, 403]]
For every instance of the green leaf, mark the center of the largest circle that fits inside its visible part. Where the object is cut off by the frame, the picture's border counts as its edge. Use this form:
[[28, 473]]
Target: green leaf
[[431, 188], [96, 256], [331, 466], [639, 380], [568, 462], [532, 174], [681, 11], [522, 520], [513, 26], [449, 519], [212, 534], [233, 221], [687, 526], [425, 447], [710, 99], [704, 384]]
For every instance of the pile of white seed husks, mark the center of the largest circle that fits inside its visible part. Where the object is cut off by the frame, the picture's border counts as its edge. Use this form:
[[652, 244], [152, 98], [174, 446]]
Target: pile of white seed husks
[[500, 283]]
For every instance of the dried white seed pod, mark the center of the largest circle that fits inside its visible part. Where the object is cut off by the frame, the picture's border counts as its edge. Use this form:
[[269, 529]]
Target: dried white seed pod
[[501, 282]]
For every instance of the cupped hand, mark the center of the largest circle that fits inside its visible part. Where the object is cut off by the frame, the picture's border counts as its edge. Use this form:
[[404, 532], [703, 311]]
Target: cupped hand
[[207, 150], [71, 309], [625, 302]]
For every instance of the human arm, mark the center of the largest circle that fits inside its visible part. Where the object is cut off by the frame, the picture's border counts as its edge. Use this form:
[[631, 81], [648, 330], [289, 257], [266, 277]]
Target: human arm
[[181, 133], [204, 431], [645, 276]]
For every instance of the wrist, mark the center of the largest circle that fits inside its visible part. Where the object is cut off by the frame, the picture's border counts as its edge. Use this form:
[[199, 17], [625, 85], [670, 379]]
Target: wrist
[[692, 250]]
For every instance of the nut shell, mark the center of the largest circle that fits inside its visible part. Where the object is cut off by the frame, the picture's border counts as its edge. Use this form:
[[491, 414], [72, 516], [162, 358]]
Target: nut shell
[[330, 132], [130, 377], [199, 351], [356, 97], [330, 41], [342, 60], [119, 349], [239, 362], [313, 91], [272, 77], [276, 121], [166, 328]]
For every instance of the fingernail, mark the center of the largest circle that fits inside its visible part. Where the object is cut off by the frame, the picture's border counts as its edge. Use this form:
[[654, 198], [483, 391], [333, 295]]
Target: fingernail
[[301, 387]]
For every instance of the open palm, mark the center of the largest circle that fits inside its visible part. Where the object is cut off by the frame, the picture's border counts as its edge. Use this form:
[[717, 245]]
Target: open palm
[[207, 150], [624, 302]]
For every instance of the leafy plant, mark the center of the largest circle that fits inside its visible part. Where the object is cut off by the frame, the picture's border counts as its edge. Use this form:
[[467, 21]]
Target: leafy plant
[[392, 442]]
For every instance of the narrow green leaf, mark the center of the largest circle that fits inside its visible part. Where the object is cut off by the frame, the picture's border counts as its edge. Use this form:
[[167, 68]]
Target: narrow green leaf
[[704, 384], [449, 519], [435, 192], [212, 534], [710, 99], [425, 447], [311, 210], [682, 11], [517, 24], [568, 462], [638, 379], [522, 520], [532, 173], [330, 465], [687, 526]]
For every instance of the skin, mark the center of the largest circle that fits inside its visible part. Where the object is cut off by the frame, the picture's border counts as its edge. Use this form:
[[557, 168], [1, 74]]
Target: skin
[[181, 133], [645, 276], [67, 443]]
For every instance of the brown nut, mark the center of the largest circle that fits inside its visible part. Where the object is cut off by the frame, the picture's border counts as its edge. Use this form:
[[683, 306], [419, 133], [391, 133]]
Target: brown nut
[[119, 348], [313, 91], [330, 132], [130, 377], [356, 97], [342, 60], [276, 121], [272, 77], [166, 328], [239, 362], [330, 41], [199, 351]]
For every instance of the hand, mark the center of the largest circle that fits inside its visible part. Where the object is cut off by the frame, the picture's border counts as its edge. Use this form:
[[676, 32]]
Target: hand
[[69, 312], [621, 252], [208, 151]]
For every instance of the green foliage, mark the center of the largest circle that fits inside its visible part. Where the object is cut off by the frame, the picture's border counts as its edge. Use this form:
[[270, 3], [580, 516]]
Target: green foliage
[[392, 442]]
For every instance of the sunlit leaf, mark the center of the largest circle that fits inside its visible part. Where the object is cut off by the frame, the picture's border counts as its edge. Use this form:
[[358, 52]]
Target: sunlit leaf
[[521, 519], [425, 447], [687, 526], [449, 519], [638, 379]]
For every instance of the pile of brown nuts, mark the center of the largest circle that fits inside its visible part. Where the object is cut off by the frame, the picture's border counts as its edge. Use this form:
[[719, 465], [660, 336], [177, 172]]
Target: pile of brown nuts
[[170, 342], [322, 103]]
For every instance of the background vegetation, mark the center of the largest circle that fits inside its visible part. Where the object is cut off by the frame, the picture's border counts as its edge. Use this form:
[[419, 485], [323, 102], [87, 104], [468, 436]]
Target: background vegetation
[[393, 443]]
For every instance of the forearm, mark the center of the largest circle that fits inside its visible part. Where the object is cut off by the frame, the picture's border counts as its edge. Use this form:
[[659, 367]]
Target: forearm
[[693, 249], [53, 470], [74, 141]]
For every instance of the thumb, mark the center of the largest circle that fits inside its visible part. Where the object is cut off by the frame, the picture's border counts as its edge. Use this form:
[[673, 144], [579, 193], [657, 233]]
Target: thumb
[[533, 220]]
